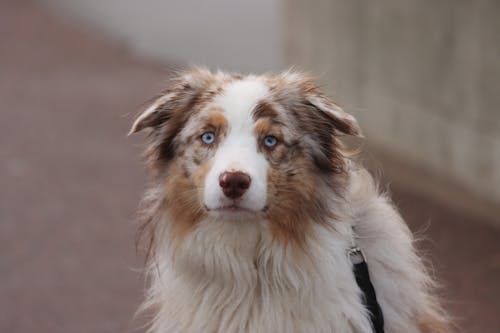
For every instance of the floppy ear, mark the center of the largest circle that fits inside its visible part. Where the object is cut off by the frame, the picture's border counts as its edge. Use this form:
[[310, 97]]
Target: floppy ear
[[342, 121], [293, 83], [157, 113], [183, 94]]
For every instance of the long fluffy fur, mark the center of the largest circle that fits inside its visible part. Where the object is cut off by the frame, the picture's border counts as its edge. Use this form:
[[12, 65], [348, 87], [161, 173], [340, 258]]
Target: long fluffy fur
[[237, 276]]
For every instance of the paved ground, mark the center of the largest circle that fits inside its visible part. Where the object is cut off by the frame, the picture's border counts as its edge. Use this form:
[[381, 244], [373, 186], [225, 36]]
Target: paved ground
[[70, 180]]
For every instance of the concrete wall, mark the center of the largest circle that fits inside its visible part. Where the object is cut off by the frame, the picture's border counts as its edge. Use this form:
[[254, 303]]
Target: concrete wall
[[422, 77], [232, 35]]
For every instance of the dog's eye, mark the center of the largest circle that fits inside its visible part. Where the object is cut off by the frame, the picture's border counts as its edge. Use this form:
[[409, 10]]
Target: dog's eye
[[270, 141], [208, 138]]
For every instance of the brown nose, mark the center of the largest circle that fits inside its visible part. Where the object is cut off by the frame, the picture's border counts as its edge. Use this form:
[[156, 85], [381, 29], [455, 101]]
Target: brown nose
[[234, 184]]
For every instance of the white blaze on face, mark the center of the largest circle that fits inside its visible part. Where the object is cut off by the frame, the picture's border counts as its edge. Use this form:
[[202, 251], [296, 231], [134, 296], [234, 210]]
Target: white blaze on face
[[239, 151]]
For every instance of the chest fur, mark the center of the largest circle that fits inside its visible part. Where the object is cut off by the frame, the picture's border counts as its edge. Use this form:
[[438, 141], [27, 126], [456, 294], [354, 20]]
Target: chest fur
[[259, 286]]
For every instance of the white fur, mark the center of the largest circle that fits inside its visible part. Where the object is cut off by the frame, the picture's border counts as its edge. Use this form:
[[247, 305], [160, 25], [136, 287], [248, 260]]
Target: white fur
[[238, 150], [231, 276]]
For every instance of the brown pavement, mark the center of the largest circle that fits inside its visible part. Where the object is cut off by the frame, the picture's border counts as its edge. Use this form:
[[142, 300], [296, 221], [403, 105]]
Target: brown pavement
[[70, 180]]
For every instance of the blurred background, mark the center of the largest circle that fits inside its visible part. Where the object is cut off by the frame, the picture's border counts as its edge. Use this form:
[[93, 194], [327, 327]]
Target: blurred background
[[421, 76]]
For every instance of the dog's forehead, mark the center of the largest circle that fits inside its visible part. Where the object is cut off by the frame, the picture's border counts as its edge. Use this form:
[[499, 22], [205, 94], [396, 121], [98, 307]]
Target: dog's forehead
[[238, 100]]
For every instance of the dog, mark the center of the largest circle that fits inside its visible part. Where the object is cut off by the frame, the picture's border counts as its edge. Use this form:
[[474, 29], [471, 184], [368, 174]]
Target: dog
[[254, 206]]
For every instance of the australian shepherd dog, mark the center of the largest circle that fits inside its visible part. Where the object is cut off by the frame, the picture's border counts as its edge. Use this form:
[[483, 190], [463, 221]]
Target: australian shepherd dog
[[253, 207]]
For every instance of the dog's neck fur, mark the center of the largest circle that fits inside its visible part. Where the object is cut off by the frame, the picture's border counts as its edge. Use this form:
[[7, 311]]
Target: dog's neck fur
[[232, 276], [217, 280]]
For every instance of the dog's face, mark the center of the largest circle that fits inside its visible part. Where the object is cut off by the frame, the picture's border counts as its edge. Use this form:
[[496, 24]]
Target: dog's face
[[245, 147]]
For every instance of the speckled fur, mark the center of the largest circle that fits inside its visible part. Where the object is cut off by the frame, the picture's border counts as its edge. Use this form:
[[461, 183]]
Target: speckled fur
[[284, 268]]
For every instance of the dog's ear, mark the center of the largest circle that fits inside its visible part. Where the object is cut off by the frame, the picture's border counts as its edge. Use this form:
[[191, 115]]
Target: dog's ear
[[318, 118], [299, 91], [157, 113], [184, 92], [343, 122]]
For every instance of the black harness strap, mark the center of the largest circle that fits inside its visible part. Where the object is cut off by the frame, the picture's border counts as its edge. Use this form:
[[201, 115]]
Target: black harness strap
[[360, 269]]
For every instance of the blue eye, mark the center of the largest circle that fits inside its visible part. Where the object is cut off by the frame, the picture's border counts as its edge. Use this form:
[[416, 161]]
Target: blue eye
[[270, 141], [208, 138]]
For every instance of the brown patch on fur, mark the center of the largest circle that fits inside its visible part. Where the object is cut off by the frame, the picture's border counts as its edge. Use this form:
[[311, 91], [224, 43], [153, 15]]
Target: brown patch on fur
[[263, 127], [179, 197], [216, 118], [264, 109], [295, 201], [183, 201]]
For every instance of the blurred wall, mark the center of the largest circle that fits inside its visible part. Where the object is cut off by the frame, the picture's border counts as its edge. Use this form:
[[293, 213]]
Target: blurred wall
[[231, 35], [422, 77]]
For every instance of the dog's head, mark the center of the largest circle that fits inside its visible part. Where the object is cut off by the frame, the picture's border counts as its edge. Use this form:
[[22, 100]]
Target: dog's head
[[245, 147]]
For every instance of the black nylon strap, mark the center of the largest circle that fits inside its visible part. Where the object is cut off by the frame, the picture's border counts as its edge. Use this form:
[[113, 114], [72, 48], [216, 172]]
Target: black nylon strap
[[369, 297]]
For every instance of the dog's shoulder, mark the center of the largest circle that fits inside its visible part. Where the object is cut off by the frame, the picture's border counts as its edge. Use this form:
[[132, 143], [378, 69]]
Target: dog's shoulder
[[397, 271]]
